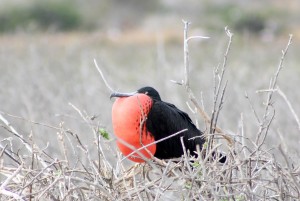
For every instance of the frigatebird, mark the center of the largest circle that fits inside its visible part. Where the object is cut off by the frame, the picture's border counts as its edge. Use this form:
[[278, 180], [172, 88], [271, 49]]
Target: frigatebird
[[141, 117]]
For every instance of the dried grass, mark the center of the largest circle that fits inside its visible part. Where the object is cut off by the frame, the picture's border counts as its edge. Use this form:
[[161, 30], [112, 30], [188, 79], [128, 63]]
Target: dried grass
[[251, 172]]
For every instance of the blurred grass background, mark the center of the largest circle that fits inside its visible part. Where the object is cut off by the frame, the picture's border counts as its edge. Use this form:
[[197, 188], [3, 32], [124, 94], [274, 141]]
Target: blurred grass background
[[47, 50]]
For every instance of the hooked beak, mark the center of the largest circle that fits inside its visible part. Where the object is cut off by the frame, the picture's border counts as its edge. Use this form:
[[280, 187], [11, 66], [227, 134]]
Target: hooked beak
[[118, 94]]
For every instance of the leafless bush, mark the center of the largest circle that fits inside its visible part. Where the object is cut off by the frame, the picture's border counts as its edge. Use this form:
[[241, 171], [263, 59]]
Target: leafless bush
[[251, 171]]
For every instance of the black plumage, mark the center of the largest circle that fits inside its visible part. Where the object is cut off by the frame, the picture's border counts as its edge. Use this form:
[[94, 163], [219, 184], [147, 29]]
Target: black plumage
[[165, 119]]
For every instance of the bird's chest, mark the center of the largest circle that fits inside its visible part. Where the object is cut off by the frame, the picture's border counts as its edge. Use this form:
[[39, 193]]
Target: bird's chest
[[129, 115]]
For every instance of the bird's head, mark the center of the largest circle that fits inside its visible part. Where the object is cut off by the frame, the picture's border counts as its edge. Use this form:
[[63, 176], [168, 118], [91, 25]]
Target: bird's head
[[149, 91]]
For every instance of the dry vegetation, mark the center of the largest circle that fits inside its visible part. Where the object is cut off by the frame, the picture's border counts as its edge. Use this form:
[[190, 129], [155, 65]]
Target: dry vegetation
[[78, 170], [56, 141]]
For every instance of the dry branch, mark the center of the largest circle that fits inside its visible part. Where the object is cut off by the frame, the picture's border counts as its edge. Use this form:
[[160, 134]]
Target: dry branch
[[208, 121]]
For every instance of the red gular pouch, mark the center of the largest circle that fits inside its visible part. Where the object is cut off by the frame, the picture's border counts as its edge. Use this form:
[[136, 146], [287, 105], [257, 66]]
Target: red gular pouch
[[129, 115]]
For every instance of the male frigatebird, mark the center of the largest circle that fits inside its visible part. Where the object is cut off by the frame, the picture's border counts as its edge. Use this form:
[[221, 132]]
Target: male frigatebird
[[141, 117]]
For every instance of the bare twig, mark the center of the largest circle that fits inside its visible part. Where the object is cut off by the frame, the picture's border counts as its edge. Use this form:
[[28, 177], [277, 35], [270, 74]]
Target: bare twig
[[4, 184], [290, 106], [186, 157], [186, 40], [11, 194], [148, 145], [27, 145], [30, 121], [187, 86], [218, 85], [272, 87], [186, 54], [103, 78]]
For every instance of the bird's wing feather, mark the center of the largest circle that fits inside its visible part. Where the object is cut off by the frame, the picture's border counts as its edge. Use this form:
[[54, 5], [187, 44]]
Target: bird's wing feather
[[165, 119], [183, 114]]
